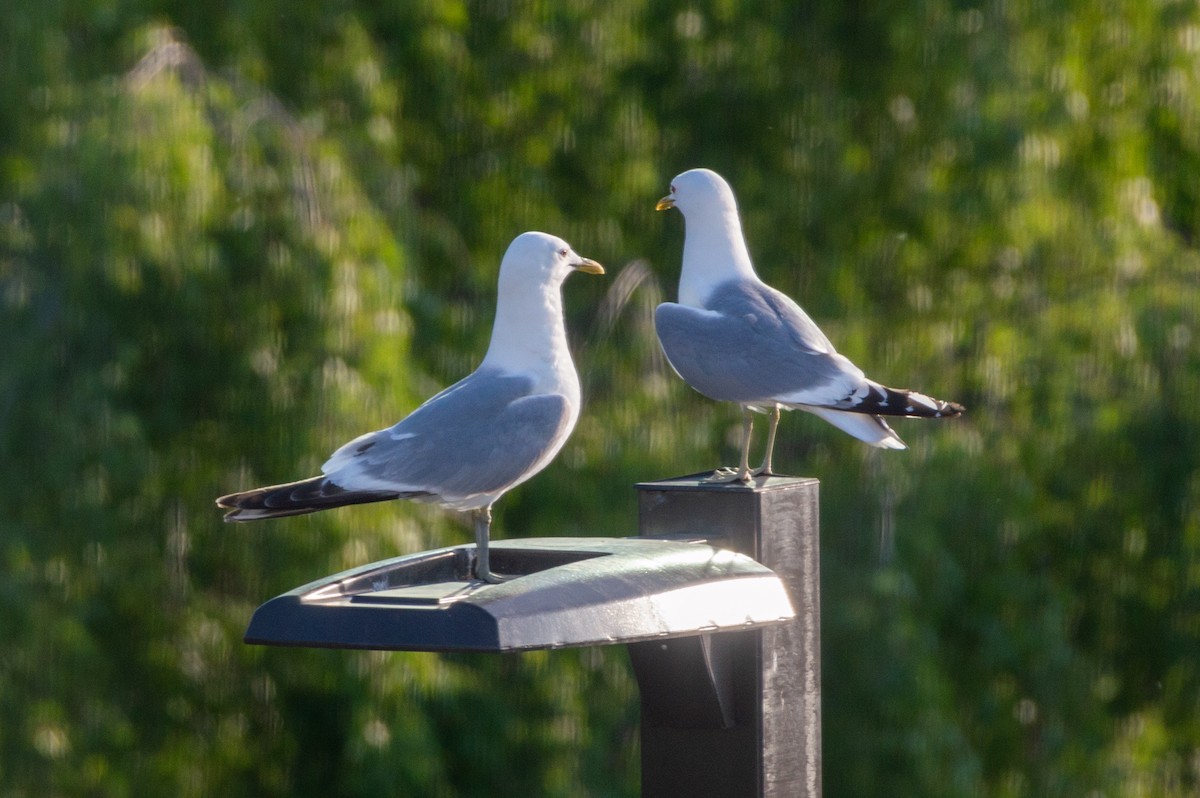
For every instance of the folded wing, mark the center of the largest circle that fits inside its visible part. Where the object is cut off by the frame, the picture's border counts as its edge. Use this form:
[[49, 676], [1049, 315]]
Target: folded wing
[[478, 438]]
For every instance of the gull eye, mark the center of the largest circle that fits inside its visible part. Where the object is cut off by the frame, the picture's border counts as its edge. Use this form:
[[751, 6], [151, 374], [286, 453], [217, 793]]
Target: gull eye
[[562, 253], [672, 189]]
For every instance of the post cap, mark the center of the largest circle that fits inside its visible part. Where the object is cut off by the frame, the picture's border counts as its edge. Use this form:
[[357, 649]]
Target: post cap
[[566, 592]]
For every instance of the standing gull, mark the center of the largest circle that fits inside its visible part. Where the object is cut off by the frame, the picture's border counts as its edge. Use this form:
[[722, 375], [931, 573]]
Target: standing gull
[[734, 338], [470, 444]]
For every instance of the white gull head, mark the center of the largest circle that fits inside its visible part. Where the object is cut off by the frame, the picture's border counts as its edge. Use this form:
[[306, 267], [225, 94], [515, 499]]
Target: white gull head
[[714, 249], [529, 336]]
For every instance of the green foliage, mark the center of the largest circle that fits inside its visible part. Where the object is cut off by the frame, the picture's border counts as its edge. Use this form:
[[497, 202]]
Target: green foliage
[[232, 236]]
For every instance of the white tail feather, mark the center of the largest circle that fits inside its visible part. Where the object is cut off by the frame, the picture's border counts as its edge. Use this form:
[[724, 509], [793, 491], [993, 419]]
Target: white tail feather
[[869, 429]]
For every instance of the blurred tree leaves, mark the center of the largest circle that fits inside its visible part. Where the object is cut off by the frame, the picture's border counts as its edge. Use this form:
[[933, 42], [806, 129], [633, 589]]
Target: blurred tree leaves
[[234, 235]]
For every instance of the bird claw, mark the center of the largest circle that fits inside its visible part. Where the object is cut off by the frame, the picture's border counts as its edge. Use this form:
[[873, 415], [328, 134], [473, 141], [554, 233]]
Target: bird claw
[[726, 475], [492, 578]]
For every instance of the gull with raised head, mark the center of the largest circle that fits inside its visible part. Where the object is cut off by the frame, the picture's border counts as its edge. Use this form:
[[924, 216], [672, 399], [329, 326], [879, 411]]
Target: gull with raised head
[[470, 444], [734, 338]]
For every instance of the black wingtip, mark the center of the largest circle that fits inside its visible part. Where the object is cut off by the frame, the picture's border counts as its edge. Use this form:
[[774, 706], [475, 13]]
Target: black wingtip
[[295, 498], [880, 400]]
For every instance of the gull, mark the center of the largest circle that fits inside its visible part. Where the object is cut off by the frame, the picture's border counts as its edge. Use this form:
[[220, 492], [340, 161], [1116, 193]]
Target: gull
[[470, 444], [734, 338]]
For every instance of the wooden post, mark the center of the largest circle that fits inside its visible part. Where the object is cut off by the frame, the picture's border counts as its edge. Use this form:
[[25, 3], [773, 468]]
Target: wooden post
[[737, 713]]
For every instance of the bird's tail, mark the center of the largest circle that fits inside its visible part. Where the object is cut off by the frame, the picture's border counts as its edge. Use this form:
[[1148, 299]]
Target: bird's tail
[[296, 498], [869, 429], [880, 400]]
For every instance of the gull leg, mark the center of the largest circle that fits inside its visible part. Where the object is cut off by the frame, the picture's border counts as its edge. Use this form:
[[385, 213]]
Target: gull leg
[[483, 528], [765, 468], [742, 474]]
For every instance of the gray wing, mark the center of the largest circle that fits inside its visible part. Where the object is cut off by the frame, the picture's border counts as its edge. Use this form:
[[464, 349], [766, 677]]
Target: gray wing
[[751, 344], [481, 435]]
